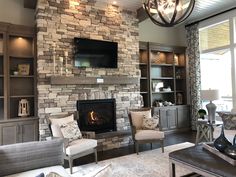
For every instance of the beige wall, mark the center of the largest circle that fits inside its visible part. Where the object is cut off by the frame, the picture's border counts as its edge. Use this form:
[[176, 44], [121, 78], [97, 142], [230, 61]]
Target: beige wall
[[13, 11], [148, 31]]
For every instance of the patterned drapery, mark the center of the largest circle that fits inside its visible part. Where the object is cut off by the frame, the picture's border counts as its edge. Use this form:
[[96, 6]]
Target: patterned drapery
[[194, 71]]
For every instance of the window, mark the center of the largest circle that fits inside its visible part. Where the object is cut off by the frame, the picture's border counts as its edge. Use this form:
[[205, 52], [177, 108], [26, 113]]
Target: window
[[217, 39]]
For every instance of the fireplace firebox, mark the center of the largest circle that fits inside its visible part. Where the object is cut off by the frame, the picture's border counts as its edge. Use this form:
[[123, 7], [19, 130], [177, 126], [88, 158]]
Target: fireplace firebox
[[97, 115]]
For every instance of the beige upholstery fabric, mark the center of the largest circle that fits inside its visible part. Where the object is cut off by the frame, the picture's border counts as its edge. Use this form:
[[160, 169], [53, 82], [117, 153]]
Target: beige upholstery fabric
[[80, 145], [57, 122], [137, 117], [71, 131], [148, 134]]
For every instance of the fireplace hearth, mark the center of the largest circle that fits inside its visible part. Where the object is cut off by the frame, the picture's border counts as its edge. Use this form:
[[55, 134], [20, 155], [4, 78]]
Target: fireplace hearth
[[97, 115]]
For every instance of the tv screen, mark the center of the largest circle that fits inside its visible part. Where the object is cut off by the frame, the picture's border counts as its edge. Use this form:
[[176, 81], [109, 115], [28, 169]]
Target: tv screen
[[95, 53]]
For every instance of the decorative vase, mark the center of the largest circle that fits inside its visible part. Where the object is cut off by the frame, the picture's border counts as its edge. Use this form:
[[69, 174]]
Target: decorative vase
[[221, 143], [231, 150]]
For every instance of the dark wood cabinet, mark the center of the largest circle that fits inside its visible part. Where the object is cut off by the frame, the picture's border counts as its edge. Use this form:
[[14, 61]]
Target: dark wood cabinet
[[173, 117], [18, 131], [168, 118], [163, 74], [183, 117], [17, 83]]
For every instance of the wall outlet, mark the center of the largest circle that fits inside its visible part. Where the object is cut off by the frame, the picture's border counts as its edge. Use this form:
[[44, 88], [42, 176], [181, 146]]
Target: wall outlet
[[100, 80]]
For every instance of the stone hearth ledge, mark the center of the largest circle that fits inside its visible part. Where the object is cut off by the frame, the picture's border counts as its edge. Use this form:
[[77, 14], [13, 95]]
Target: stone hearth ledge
[[81, 80]]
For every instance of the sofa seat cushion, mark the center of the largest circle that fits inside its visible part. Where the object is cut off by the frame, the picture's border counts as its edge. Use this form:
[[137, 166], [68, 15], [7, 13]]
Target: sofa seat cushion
[[148, 135], [32, 173], [80, 145]]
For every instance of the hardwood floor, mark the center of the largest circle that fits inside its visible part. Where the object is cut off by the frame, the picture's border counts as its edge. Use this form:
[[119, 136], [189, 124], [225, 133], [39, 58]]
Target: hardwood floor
[[170, 139]]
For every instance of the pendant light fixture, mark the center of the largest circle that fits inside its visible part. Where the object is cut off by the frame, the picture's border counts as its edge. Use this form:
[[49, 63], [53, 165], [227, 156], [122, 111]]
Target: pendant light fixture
[[168, 13]]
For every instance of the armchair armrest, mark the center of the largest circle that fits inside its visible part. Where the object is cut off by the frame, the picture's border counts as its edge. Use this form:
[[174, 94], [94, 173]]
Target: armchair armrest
[[133, 131]]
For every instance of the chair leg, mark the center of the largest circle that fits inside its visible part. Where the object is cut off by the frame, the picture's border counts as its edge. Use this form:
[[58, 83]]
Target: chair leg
[[151, 145], [70, 164], [137, 147], [162, 146], [96, 155]]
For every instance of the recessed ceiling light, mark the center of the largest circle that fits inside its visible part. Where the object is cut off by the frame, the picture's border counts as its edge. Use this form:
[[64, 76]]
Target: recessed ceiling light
[[114, 2]]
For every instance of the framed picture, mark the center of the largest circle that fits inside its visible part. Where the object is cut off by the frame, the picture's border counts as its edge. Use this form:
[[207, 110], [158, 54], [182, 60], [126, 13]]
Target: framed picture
[[23, 69]]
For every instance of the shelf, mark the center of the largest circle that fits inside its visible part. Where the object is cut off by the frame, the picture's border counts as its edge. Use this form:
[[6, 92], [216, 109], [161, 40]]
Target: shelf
[[1, 75], [22, 96], [1, 97], [143, 92], [143, 78], [180, 66], [21, 57], [163, 78], [22, 76], [179, 91], [153, 64], [180, 78], [142, 63], [162, 92], [81, 80]]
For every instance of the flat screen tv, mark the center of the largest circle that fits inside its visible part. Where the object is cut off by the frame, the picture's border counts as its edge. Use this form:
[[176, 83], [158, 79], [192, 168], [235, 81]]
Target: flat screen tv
[[95, 53]]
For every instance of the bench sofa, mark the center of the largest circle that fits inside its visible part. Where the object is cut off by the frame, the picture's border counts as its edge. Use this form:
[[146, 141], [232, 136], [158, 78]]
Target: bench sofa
[[32, 159]]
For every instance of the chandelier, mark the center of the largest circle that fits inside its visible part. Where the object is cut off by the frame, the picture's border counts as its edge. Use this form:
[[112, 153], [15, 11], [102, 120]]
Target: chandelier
[[168, 13]]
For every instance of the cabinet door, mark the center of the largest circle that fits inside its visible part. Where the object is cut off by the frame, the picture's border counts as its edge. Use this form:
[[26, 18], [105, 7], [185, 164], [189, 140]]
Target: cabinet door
[[9, 133], [183, 117], [29, 131], [172, 118], [163, 120]]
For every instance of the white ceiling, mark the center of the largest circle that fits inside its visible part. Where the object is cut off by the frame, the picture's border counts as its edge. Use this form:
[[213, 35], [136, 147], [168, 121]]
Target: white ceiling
[[202, 9]]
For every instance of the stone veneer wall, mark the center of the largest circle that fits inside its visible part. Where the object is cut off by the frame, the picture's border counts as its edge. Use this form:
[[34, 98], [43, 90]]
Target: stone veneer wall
[[60, 21]]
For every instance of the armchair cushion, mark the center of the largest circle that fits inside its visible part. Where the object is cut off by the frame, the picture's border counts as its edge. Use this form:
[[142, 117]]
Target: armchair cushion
[[80, 145], [71, 131], [137, 117], [57, 122], [149, 123], [148, 135]]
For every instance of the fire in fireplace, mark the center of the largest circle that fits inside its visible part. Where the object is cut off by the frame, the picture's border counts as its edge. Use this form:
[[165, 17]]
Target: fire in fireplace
[[97, 115]]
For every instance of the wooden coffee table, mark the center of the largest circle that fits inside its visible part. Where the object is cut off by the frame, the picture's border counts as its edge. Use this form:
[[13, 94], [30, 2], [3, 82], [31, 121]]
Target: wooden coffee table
[[200, 161]]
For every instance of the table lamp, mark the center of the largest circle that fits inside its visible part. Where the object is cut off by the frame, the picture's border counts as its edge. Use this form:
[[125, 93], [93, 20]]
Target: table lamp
[[210, 95]]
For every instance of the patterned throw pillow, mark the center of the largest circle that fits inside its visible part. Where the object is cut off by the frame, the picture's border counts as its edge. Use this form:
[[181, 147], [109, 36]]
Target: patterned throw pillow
[[229, 120], [71, 131], [150, 123]]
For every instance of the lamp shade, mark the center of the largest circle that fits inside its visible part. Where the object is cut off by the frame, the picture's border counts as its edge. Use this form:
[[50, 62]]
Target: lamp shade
[[210, 95]]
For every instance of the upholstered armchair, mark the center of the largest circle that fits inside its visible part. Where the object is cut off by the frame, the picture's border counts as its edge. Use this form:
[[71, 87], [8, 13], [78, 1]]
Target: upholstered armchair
[[144, 128], [75, 145]]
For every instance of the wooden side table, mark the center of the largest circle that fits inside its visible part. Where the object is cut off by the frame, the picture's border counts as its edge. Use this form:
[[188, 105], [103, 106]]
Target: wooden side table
[[205, 130]]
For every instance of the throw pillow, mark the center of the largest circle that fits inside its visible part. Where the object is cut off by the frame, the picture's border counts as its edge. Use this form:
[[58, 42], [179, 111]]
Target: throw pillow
[[229, 120], [71, 131], [150, 123], [57, 122], [53, 174], [137, 117]]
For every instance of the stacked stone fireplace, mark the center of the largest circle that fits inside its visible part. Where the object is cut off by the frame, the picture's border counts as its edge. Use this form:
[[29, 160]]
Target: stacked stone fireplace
[[59, 21]]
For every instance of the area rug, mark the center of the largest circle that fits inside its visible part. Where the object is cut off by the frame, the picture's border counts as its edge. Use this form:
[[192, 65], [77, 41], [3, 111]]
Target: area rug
[[151, 163]]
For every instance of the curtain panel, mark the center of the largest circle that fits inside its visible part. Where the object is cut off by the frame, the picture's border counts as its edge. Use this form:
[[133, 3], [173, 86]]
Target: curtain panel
[[193, 54]]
